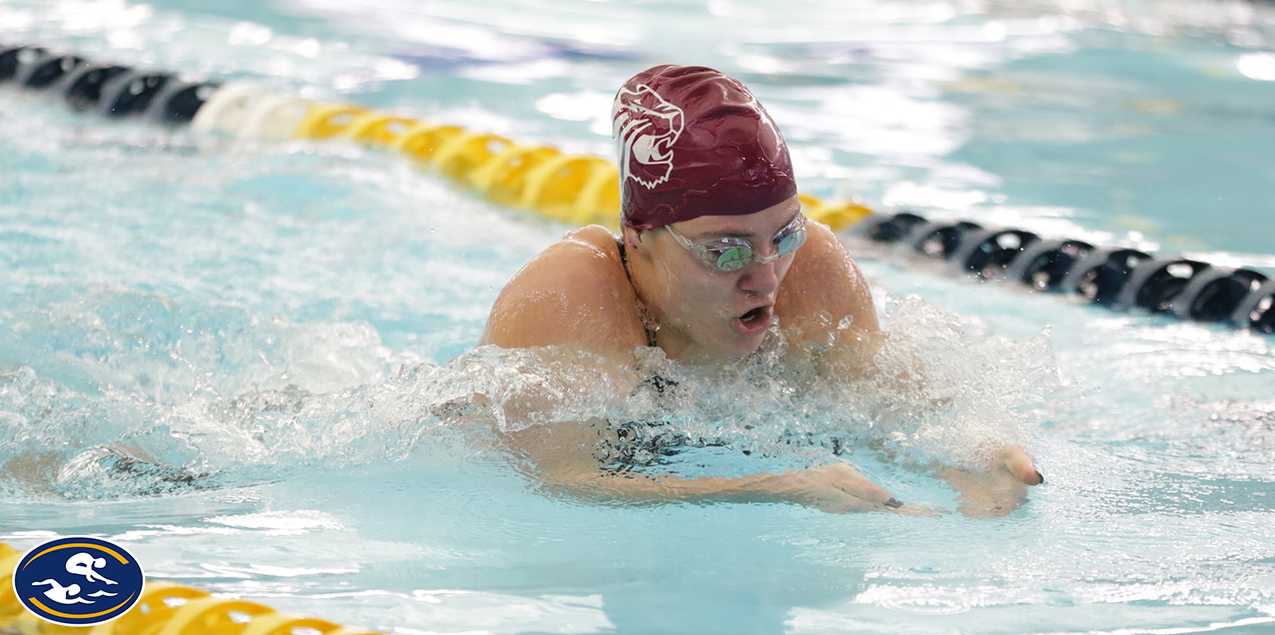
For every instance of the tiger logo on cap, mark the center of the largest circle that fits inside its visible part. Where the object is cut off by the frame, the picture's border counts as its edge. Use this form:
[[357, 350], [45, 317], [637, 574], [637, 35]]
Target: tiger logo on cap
[[647, 126]]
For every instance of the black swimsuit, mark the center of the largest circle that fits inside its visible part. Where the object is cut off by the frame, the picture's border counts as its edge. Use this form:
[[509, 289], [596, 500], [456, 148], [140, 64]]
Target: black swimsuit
[[642, 443], [624, 260], [656, 381]]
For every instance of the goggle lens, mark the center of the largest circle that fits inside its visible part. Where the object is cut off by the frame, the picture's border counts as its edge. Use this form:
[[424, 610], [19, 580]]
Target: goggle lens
[[734, 258], [792, 242]]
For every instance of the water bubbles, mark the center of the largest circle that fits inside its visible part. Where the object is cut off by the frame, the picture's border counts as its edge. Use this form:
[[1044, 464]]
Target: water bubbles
[[977, 393]]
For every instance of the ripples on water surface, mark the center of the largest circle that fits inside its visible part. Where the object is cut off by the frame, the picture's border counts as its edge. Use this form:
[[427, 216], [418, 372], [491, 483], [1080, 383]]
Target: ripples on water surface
[[266, 330]]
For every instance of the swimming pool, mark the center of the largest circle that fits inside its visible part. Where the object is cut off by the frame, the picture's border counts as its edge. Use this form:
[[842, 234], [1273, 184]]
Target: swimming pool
[[277, 321]]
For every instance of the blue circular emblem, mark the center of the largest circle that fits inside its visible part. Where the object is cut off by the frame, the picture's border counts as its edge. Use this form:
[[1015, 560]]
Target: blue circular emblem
[[78, 581]]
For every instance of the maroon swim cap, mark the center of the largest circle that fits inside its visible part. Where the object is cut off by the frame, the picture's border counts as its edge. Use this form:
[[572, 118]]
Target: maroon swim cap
[[694, 142]]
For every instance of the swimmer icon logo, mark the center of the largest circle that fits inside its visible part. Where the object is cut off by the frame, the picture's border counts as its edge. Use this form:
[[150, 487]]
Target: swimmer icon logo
[[78, 581]]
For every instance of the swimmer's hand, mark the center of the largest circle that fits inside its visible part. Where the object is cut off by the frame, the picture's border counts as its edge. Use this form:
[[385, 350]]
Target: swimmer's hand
[[997, 491], [837, 488], [1020, 465]]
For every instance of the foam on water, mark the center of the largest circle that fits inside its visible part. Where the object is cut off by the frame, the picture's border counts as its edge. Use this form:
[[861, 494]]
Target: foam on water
[[942, 395]]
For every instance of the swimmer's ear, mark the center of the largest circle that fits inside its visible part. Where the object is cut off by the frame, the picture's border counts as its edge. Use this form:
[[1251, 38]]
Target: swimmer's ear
[[632, 238]]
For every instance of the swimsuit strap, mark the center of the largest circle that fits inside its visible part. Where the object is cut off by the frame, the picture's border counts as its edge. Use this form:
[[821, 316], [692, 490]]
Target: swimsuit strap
[[650, 335]]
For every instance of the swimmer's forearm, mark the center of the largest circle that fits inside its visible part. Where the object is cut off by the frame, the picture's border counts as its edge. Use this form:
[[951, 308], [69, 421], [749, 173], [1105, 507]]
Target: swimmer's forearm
[[834, 488], [561, 455], [670, 488]]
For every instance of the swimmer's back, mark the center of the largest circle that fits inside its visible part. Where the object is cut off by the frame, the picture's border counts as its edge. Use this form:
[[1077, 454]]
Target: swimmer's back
[[574, 292]]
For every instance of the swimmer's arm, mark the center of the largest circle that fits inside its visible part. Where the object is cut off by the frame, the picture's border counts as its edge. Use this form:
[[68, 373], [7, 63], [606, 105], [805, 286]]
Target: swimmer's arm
[[836, 488], [1012, 462], [999, 488], [561, 456], [842, 336]]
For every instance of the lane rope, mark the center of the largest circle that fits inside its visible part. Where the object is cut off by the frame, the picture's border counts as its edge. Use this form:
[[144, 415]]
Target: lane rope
[[582, 190]]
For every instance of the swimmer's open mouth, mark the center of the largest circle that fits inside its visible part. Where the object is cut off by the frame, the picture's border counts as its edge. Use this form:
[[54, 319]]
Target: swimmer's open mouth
[[756, 317]]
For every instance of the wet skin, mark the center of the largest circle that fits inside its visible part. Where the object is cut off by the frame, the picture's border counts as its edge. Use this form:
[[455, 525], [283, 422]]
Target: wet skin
[[576, 293], [579, 292]]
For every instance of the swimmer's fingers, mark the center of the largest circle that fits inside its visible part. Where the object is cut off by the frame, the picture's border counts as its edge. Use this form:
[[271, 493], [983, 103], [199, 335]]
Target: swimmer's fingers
[[841, 488], [837, 488], [921, 510], [1015, 459]]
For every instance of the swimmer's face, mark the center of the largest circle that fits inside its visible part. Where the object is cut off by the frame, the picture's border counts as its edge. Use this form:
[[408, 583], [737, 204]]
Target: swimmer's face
[[706, 311]]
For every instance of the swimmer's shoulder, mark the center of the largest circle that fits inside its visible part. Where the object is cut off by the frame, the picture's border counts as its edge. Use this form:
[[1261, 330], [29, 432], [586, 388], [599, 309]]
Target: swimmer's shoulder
[[823, 286], [573, 292], [584, 258], [587, 260], [599, 247]]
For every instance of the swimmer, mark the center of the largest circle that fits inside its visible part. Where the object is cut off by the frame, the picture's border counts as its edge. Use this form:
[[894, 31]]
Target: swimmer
[[713, 249], [62, 594], [84, 563]]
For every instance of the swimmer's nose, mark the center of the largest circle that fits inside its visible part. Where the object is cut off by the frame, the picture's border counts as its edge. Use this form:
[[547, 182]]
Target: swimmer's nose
[[761, 278]]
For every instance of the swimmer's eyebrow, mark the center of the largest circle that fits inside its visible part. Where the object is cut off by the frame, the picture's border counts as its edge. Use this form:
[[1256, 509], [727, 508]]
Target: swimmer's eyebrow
[[729, 234]]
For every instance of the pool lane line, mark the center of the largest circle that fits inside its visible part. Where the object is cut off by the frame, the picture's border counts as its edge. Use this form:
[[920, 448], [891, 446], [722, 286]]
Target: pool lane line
[[581, 190]]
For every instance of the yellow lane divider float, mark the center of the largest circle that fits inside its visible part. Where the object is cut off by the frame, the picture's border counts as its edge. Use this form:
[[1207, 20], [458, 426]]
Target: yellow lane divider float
[[570, 188]]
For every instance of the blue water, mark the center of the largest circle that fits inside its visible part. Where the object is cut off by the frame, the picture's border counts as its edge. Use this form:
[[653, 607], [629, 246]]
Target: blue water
[[271, 325]]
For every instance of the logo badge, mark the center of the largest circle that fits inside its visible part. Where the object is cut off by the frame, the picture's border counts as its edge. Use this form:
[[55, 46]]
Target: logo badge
[[647, 126], [78, 581]]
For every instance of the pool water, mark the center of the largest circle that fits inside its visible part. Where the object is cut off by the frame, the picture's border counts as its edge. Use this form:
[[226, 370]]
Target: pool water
[[270, 328]]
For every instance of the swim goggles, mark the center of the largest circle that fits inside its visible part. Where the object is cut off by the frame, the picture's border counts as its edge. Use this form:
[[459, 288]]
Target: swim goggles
[[733, 254]]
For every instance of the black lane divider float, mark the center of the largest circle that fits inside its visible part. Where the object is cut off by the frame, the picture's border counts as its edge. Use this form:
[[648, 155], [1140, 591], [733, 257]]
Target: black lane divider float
[[110, 89], [1117, 278]]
